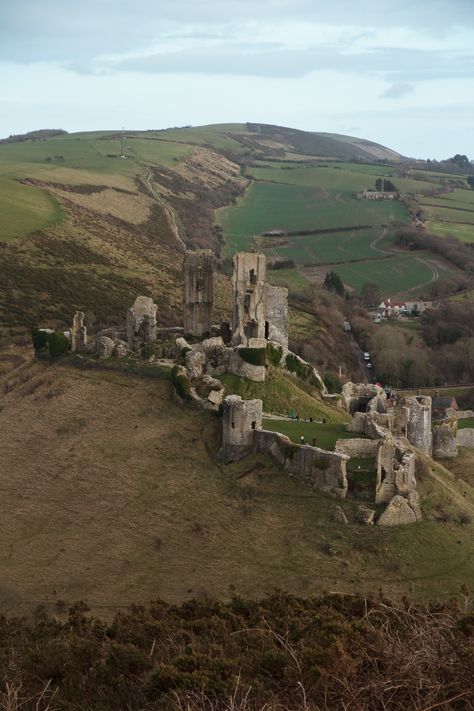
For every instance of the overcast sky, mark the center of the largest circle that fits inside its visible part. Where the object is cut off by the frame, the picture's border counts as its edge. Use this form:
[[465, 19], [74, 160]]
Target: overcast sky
[[399, 72]]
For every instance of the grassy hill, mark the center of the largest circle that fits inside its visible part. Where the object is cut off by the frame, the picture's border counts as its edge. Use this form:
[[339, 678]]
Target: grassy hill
[[82, 227], [111, 493]]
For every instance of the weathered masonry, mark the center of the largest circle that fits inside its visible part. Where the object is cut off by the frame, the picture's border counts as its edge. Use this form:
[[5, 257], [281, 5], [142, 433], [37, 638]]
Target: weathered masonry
[[198, 297], [242, 434], [259, 311]]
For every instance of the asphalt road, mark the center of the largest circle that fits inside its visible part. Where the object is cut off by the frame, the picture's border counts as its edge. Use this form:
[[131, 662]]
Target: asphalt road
[[368, 372]]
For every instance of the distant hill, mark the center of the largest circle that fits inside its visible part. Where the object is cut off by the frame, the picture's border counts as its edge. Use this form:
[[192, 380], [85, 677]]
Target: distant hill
[[33, 135]]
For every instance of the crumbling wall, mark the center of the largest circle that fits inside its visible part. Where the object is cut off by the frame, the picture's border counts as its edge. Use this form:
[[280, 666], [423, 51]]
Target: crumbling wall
[[311, 466], [276, 314], [141, 320], [198, 292], [465, 438], [242, 435], [395, 471], [78, 333], [370, 424], [357, 447], [459, 414], [444, 441], [419, 422], [248, 296], [355, 397]]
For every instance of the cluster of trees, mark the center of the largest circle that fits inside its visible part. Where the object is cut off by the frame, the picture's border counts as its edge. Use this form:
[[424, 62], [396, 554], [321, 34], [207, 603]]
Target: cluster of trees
[[333, 282], [442, 351], [332, 652], [384, 185]]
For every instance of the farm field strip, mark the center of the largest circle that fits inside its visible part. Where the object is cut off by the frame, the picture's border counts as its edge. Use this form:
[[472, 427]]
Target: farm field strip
[[326, 248], [269, 206], [446, 214], [462, 232], [333, 178]]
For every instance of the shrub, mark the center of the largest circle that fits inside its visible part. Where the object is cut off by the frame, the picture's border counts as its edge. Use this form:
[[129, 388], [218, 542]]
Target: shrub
[[58, 344], [274, 354], [302, 370], [181, 383], [332, 382], [40, 339], [254, 356]]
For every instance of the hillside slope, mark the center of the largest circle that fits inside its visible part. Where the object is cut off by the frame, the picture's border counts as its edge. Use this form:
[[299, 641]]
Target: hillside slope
[[111, 493]]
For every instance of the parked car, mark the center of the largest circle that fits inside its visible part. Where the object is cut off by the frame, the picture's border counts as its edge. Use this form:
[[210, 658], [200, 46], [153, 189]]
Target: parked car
[[366, 356], [369, 365]]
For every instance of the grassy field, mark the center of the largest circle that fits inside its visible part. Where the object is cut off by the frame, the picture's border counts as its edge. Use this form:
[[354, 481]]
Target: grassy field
[[393, 274], [130, 505], [268, 206], [467, 423], [24, 208], [322, 435], [452, 213], [282, 394]]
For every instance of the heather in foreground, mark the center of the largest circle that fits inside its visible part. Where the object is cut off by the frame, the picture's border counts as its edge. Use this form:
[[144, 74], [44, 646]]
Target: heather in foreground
[[282, 652]]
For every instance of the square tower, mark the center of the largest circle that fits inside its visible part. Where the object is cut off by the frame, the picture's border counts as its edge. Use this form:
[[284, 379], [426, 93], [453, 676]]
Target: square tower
[[198, 296], [249, 275]]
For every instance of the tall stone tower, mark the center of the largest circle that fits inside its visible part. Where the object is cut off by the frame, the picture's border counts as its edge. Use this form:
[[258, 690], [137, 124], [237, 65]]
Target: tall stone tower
[[239, 421], [78, 333], [248, 297], [198, 297]]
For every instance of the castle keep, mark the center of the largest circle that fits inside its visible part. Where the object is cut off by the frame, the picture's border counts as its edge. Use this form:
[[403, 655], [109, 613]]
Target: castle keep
[[198, 296], [259, 311]]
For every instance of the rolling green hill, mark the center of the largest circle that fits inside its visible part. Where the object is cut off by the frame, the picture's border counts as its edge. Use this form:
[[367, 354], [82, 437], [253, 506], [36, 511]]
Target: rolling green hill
[[83, 227]]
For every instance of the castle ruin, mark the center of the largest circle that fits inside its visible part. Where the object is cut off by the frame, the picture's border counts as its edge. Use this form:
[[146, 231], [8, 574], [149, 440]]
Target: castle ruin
[[259, 310], [198, 293], [78, 333], [141, 321]]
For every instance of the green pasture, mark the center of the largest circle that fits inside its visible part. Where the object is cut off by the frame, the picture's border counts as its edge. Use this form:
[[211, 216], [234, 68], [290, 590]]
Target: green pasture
[[334, 177], [466, 423], [448, 215], [460, 195], [152, 150], [325, 248], [24, 209], [290, 278], [268, 206], [462, 232], [326, 435], [393, 275]]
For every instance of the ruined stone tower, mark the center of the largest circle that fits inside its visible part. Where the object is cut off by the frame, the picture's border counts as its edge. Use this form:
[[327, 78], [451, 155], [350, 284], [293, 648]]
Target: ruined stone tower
[[259, 310], [418, 431], [248, 297], [240, 419], [78, 333], [141, 320], [276, 314], [198, 296]]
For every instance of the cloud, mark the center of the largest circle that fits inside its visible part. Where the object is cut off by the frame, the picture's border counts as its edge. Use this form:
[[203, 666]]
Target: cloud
[[400, 66], [41, 30], [398, 90]]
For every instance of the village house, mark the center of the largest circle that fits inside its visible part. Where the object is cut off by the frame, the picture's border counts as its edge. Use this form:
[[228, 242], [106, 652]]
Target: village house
[[440, 405]]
